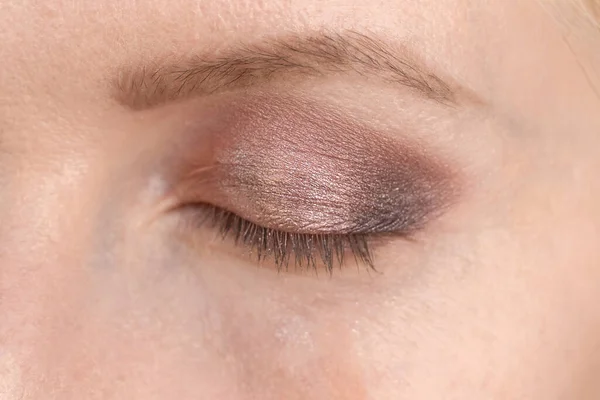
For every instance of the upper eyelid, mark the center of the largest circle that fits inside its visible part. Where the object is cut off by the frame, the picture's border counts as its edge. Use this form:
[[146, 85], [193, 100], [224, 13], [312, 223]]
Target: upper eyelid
[[290, 163]]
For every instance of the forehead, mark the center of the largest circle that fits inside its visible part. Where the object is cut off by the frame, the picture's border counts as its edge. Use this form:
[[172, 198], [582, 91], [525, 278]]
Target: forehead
[[91, 36], [68, 52]]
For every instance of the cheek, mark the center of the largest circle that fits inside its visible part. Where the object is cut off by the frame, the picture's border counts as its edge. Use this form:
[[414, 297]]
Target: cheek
[[281, 337], [163, 322]]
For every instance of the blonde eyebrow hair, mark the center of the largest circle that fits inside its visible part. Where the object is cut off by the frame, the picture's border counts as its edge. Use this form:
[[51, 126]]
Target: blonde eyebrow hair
[[294, 55]]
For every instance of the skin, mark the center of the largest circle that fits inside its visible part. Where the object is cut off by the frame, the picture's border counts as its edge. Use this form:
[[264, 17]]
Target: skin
[[104, 296]]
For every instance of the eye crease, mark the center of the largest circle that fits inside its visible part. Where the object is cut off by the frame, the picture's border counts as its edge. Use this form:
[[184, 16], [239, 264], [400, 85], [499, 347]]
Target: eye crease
[[304, 185]]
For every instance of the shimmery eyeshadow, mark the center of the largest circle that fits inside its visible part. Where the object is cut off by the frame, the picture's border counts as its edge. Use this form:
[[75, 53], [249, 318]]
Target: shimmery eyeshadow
[[297, 166]]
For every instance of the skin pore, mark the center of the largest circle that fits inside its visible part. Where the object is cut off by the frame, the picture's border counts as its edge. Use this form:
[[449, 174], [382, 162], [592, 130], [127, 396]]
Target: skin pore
[[455, 141]]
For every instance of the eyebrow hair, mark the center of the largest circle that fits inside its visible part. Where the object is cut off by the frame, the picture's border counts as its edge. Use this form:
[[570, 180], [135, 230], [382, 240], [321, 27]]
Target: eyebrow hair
[[319, 54]]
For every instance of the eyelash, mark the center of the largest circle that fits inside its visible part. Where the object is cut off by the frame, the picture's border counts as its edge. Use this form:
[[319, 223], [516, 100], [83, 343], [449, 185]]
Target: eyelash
[[305, 250]]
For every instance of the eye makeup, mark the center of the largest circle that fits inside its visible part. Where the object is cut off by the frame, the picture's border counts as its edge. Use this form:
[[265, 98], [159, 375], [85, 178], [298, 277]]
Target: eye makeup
[[302, 250], [299, 168]]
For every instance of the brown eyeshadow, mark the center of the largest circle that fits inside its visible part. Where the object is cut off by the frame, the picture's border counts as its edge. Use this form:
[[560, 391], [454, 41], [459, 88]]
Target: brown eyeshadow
[[299, 166]]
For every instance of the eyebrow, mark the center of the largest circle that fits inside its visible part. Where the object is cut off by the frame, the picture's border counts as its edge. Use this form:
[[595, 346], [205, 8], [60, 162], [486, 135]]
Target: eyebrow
[[317, 55]]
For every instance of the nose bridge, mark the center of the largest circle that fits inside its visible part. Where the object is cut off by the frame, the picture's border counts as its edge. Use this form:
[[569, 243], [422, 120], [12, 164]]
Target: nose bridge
[[47, 203], [45, 207]]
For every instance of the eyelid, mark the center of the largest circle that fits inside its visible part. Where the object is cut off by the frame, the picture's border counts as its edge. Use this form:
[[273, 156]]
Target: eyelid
[[317, 169]]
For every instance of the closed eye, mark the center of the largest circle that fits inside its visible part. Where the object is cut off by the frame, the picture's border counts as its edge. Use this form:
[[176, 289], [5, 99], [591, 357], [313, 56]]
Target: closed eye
[[287, 249]]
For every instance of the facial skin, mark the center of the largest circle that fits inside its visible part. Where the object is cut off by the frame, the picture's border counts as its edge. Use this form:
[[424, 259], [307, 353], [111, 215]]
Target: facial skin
[[110, 288]]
